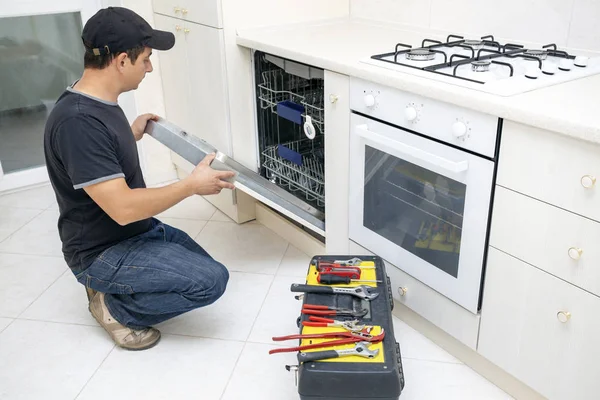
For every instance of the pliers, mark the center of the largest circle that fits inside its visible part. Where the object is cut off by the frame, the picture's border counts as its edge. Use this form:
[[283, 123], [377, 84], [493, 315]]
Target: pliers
[[313, 309], [352, 326], [342, 338]]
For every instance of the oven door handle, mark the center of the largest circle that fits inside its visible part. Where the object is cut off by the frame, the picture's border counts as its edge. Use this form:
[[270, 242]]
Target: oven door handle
[[452, 166]]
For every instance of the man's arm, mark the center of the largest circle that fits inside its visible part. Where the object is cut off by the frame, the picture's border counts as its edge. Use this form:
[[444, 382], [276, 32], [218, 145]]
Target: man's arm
[[125, 205]]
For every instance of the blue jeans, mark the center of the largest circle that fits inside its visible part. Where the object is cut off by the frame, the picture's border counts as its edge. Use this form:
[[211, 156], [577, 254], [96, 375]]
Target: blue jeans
[[155, 276]]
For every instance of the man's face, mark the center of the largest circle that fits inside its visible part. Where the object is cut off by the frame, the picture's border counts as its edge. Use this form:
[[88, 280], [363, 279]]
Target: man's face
[[134, 72]]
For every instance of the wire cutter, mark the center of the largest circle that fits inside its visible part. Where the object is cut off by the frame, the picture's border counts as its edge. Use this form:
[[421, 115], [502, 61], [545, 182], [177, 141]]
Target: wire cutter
[[344, 337], [313, 309]]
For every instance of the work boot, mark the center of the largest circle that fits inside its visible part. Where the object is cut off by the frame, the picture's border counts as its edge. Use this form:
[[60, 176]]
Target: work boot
[[90, 293], [127, 338]]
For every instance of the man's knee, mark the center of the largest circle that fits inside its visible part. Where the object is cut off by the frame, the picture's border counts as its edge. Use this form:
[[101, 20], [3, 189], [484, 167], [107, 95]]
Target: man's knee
[[212, 284]]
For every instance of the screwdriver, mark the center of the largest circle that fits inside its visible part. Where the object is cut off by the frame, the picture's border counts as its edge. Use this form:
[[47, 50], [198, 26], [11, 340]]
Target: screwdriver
[[330, 279]]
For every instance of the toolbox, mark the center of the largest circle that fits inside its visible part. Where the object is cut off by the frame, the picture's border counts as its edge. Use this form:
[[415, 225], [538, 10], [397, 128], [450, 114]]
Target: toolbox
[[367, 363]]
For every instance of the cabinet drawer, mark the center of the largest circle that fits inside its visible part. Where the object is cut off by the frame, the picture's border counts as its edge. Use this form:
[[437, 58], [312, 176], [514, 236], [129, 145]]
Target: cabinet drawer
[[206, 12], [551, 167], [552, 239], [522, 332]]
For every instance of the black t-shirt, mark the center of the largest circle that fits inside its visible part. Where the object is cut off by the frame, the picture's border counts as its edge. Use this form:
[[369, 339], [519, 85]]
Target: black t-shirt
[[88, 141]]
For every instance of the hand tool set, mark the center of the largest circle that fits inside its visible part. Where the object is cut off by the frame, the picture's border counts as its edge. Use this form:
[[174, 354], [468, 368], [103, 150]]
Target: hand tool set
[[346, 347]]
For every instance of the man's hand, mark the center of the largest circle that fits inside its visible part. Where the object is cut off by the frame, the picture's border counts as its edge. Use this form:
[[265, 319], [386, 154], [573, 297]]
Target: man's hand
[[139, 125], [205, 181]]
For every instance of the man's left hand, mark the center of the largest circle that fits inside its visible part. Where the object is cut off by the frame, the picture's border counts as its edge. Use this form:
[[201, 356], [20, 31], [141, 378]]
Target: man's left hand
[[139, 125]]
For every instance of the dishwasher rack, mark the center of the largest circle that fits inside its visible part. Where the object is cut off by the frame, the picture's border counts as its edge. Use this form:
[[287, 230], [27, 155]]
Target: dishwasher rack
[[305, 177], [277, 86]]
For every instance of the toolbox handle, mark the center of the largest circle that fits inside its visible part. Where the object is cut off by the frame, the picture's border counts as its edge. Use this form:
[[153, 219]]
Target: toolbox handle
[[317, 355]]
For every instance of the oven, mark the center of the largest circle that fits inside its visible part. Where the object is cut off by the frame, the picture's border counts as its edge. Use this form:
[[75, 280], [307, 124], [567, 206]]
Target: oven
[[420, 196]]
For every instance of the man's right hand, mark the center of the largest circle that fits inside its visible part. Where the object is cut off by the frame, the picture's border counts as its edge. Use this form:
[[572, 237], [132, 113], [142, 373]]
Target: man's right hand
[[206, 181]]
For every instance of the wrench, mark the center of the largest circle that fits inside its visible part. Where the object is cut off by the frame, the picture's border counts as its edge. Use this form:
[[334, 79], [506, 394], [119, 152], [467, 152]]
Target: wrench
[[363, 292], [351, 262], [360, 349]]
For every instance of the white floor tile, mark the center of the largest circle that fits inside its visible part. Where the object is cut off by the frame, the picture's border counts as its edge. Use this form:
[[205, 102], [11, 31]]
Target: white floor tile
[[177, 368], [190, 226], [445, 381], [261, 376], [248, 247], [220, 216], [39, 237], [231, 317], [4, 322], [294, 263], [12, 219], [44, 360], [64, 301], [278, 315], [414, 345], [38, 198], [23, 278], [194, 207]]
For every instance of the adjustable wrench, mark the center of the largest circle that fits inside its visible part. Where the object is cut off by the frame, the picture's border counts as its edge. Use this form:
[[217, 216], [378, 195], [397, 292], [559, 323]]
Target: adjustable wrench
[[363, 292], [360, 349]]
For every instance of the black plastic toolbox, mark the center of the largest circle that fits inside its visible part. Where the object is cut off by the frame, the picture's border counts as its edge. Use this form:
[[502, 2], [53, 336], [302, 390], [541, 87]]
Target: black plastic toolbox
[[353, 377]]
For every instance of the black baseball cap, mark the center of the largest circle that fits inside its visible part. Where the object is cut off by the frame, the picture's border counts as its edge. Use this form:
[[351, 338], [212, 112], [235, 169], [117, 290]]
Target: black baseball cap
[[118, 29]]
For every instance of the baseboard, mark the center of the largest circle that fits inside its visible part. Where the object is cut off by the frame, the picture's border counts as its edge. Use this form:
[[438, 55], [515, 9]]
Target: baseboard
[[468, 356], [289, 231]]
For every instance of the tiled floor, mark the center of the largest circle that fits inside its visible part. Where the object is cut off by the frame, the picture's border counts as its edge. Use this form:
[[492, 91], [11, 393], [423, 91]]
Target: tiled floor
[[51, 347]]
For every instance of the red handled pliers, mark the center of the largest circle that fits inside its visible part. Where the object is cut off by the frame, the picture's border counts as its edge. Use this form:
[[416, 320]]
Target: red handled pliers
[[313, 309], [343, 338]]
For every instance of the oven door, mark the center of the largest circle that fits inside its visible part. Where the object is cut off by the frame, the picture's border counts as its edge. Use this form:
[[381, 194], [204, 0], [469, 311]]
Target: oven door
[[194, 150], [421, 205]]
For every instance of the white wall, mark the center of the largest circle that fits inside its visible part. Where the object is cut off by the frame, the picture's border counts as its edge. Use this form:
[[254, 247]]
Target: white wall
[[568, 23]]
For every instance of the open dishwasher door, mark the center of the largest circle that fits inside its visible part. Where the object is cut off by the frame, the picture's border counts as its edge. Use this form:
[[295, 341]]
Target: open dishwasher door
[[194, 150]]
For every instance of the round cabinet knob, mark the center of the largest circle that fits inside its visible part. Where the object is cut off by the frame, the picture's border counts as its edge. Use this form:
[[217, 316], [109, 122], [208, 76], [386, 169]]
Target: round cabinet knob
[[588, 181], [176, 9], [459, 129], [402, 291], [563, 316], [186, 30], [333, 98], [581, 61], [565, 64], [177, 28], [369, 100], [184, 11], [575, 253], [410, 113]]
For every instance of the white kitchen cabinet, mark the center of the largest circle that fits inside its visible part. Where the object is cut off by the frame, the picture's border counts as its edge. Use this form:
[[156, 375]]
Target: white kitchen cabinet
[[554, 240], [551, 167], [540, 329], [194, 81], [337, 154], [205, 12]]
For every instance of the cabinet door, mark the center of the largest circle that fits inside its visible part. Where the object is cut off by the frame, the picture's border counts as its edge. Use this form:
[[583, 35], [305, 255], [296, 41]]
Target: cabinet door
[[206, 12], [540, 329], [337, 154], [174, 73], [208, 94]]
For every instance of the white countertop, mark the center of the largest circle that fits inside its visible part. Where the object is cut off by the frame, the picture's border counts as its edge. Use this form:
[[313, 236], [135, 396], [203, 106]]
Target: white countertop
[[571, 108]]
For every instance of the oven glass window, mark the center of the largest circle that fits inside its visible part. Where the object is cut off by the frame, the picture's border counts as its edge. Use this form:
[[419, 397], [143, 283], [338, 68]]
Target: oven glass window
[[415, 208]]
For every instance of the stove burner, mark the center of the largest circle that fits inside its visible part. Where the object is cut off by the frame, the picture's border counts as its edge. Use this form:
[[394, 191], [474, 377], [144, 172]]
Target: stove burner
[[475, 44], [420, 55], [540, 54], [481, 65]]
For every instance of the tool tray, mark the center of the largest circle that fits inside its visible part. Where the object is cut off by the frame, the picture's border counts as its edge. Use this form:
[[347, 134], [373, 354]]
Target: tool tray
[[353, 377]]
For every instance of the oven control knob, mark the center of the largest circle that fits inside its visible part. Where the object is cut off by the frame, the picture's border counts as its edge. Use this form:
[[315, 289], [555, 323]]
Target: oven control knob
[[565, 64], [532, 72], [549, 68], [459, 129], [581, 61], [410, 113], [369, 100]]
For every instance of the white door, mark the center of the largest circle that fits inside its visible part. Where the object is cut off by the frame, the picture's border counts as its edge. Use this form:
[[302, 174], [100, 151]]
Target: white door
[[421, 205], [40, 55]]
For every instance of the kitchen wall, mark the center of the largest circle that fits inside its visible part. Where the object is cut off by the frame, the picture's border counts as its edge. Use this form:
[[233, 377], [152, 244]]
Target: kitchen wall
[[568, 23]]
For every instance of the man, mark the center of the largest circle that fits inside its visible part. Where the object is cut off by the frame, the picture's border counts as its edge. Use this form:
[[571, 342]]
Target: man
[[138, 271]]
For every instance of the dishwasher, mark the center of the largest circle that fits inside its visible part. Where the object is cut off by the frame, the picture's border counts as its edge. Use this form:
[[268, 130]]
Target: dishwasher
[[289, 106]]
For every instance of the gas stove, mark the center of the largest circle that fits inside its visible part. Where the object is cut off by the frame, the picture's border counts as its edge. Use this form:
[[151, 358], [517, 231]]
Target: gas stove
[[487, 65]]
